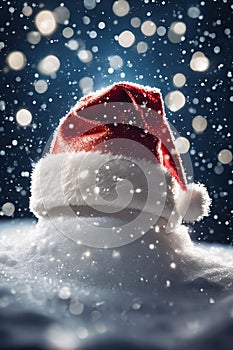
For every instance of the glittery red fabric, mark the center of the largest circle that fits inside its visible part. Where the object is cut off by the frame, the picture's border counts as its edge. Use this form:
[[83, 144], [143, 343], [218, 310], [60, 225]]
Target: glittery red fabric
[[121, 112]]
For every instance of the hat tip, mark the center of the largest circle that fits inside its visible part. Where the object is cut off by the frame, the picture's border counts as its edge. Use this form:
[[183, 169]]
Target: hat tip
[[194, 203]]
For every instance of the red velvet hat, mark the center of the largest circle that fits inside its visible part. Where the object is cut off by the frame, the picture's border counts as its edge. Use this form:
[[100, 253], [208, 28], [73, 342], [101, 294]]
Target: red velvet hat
[[123, 111]]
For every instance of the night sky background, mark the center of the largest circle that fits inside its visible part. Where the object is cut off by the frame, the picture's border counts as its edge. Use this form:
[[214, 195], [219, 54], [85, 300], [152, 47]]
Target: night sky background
[[207, 93]]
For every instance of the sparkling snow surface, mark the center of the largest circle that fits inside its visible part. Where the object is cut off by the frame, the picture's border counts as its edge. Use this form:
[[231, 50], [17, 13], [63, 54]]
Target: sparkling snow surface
[[161, 292]]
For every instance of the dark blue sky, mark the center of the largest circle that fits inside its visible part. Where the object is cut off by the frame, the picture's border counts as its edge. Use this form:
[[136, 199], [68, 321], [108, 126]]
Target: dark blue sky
[[207, 93]]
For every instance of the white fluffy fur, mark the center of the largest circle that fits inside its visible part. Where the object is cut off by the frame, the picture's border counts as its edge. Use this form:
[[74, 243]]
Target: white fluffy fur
[[194, 204], [67, 179], [70, 179]]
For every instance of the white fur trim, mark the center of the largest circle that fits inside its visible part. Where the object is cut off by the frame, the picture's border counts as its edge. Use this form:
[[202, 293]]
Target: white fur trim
[[81, 179], [194, 204]]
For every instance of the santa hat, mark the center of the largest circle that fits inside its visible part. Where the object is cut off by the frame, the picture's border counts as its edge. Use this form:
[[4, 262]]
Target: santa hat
[[95, 132]]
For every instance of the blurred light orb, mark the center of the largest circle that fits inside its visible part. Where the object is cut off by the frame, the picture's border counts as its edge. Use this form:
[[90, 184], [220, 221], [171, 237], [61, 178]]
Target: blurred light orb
[[194, 12], [179, 80], [67, 32], [76, 308], [176, 32], [62, 14], [148, 28], [175, 100], [101, 25], [85, 56], [49, 65], [2, 45], [2, 105], [93, 34], [27, 11], [126, 39], [218, 169], [199, 62], [41, 86], [142, 47], [8, 209], [86, 84], [217, 49], [34, 37], [64, 293], [115, 62], [121, 8], [94, 49], [72, 44], [199, 124], [135, 22], [161, 31], [16, 60], [23, 117], [225, 156], [89, 4], [179, 28], [182, 145], [86, 20], [46, 22]]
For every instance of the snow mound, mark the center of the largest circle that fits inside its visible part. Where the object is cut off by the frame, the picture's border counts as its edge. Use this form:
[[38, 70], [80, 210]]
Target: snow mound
[[29, 250], [56, 294]]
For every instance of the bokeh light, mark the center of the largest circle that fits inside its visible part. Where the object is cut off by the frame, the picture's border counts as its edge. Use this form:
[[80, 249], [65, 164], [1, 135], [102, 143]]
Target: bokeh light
[[8, 209], [176, 32], [41, 86], [148, 28], [179, 28], [85, 56], [199, 62], [199, 124], [27, 11], [142, 47], [161, 31], [86, 84], [67, 32], [115, 62], [61, 14], [45, 22], [225, 156], [49, 65], [194, 12], [175, 100], [179, 80], [89, 4], [121, 8], [33, 37], [182, 145], [72, 45], [135, 22], [76, 308], [16, 60], [23, 117], [126, 39], [101, 25]]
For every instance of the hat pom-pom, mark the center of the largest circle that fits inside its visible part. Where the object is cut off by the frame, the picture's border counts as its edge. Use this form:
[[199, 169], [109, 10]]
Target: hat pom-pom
[[194, 203]]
